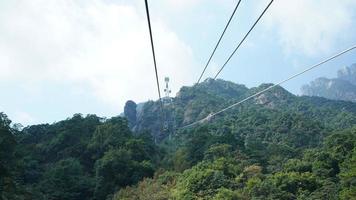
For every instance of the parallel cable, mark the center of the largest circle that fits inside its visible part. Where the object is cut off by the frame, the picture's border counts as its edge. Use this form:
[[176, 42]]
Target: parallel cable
[[244, 38], [153, 53], [271, 87], [217, 44]]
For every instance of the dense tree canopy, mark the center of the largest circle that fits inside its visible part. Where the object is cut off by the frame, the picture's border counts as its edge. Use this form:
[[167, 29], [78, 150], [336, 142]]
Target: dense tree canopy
[[78, 158], [277, 146]]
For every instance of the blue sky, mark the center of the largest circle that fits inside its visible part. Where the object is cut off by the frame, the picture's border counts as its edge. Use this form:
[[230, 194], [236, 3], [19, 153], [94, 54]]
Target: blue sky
[[63, 57]]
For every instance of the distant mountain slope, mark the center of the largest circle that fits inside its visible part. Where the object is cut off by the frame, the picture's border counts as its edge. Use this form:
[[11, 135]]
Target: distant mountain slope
[[348, 74], [341, 88], [197, 102]]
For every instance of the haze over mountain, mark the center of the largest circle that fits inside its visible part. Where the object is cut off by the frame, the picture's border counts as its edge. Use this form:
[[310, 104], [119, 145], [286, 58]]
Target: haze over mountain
[[341, 88]]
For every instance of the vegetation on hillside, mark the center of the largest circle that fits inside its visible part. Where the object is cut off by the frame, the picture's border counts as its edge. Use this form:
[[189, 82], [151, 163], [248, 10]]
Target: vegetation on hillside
[[78, 158], [277, 146]]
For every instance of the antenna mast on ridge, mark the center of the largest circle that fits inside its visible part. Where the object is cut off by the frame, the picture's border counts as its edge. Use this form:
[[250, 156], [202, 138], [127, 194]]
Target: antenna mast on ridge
[[167, 91]]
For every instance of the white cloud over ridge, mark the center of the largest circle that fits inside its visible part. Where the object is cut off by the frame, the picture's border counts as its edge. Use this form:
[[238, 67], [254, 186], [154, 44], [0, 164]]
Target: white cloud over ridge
[[24, 118], [312, 27], [99, 44]]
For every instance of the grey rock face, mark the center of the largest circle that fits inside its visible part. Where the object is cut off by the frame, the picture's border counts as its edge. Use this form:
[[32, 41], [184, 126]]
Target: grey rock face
[[348, 74], [341, 88], [130, 113]]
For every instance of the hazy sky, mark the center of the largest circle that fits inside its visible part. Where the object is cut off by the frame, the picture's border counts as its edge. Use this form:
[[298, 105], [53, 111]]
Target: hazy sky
[[60, 57]]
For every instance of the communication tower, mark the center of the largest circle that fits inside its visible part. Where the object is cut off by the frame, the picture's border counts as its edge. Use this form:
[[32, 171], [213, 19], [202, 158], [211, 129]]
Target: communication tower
[[167, 91]]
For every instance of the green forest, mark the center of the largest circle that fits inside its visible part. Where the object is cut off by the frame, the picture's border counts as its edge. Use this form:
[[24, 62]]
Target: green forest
[[276, 146]]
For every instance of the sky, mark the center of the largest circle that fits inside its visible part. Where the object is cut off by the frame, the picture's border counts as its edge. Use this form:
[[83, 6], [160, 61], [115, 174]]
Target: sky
[[62, 57]]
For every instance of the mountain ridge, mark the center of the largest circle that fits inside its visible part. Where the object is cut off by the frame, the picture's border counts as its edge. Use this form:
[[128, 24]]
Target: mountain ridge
[[197, 102], [251, 151], [343, 87]]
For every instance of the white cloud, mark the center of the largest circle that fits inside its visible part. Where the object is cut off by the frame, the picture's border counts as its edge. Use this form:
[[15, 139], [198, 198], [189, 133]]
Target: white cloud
[[312, 27], [23, 117], [92, 43]]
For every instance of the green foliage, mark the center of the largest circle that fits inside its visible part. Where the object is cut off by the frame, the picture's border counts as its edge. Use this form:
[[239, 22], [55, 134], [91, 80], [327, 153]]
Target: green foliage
[[111, 134], [158, 188], [66, 179], [204, 180], [78, 158], [348, 177], [8, 160], [341, 143], [181, 160], [227, 194], [200, 182], [297, 165], [116, 169], [275, 146]]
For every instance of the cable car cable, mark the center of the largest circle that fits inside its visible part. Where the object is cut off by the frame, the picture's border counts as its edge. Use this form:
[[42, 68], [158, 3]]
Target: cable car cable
[[153, 53], [155, 66], [244, 38], [217, 44], [271, 87]]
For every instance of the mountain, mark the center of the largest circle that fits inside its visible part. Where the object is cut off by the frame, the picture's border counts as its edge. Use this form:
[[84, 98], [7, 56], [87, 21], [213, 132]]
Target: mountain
[[341, 88], [197, 102], [274, 146], [348, 74]]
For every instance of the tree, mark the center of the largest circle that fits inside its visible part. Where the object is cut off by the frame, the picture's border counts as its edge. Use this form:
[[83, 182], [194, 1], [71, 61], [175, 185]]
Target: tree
[[66, 180], [7, 159], [117, 169], [204, 180], [112, 134], [348, 177]]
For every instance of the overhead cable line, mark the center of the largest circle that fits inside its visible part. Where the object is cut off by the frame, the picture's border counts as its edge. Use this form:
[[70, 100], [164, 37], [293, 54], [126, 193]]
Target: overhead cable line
[[155, 66], [244, 38], [217, 44], [271, 87], [153, 53]]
